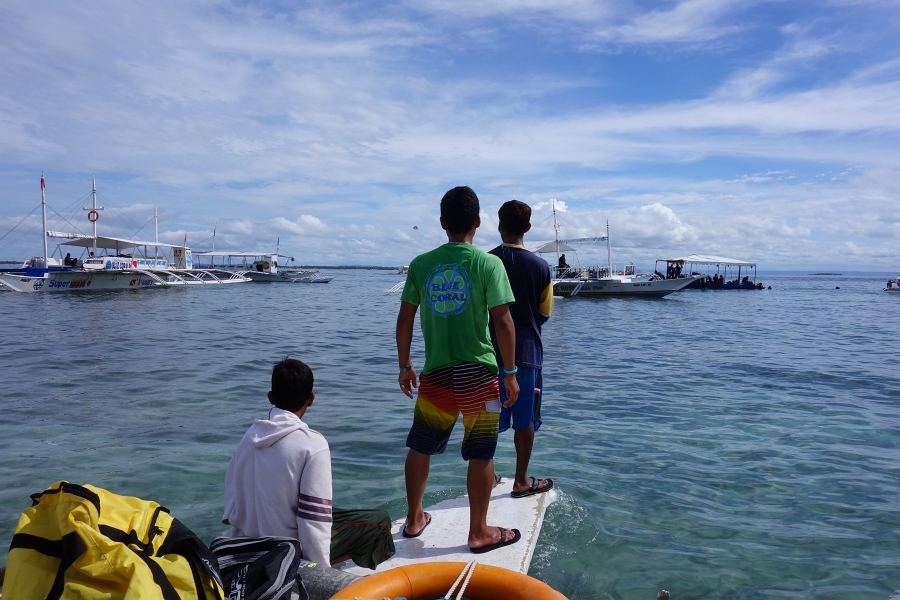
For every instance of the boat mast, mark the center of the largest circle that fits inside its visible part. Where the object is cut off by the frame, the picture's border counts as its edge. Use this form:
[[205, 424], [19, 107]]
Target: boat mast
[[94, 208], [156, 230], [44, 222], [608, 251], [555, 230]]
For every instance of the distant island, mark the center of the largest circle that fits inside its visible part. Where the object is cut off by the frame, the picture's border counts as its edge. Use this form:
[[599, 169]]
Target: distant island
[[837, 274]]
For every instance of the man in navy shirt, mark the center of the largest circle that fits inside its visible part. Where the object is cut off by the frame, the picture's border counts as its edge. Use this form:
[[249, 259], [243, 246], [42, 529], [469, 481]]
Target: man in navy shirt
[[531, 281]]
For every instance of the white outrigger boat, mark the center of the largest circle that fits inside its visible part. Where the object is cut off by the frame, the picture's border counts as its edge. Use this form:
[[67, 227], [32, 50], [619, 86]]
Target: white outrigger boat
[[893, 286], [260, 267], [108, 263], [604, 280]]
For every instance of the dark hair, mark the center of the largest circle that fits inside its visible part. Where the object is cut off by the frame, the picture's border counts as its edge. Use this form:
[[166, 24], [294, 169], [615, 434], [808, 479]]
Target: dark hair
[[459, 209], [515, 216], [292, 384]]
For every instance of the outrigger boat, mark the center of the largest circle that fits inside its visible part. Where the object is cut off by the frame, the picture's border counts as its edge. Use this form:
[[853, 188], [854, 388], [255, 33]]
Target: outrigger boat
[[108, 263], [719, 281], [604, 280], [260, 267], [893, 286]]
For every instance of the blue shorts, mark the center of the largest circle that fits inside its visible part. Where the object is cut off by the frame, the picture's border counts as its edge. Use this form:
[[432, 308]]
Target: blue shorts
[[527, 409]]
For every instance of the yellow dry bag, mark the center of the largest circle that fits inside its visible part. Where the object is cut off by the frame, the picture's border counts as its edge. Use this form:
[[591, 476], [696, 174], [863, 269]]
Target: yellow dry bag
[[84, 543]]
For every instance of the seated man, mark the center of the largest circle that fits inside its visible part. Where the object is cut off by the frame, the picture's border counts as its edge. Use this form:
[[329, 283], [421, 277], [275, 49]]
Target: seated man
[[279, 483]]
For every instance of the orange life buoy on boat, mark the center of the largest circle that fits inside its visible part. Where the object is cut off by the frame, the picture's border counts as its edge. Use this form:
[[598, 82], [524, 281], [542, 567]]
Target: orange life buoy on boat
[[432, 580], [266, 265]]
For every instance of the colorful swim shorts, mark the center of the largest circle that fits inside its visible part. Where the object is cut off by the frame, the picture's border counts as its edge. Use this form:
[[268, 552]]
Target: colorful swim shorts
[[467, 388]]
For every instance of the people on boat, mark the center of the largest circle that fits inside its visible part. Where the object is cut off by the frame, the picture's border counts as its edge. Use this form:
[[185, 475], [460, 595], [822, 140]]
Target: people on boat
[[458, 288], [562, 262], [532, 285], [69, 261], [278, 483]]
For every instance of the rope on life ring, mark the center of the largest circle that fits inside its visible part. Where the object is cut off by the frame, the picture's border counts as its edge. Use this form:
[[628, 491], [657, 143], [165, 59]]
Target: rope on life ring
[[430, 580]]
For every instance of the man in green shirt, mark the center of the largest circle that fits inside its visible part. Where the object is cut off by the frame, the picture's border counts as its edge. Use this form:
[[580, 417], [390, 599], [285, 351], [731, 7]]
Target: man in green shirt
[[459, 287]]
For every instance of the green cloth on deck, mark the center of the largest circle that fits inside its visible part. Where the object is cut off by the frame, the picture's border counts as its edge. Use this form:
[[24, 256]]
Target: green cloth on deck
[[363, 534]]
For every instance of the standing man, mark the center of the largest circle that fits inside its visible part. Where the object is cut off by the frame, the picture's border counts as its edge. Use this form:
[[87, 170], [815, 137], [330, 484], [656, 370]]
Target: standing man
[[459, 288], [532, 284]]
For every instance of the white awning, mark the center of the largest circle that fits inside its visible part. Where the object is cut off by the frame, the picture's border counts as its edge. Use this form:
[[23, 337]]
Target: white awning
[[703, 259], [551, 247], [107, 243]]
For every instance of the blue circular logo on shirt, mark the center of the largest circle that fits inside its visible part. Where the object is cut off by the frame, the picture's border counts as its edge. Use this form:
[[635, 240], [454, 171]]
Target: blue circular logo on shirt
[[447, 290]]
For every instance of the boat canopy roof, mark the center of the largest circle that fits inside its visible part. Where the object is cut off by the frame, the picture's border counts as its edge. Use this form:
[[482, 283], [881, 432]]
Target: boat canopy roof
[[552, 247], [107, 243], [703, 259]]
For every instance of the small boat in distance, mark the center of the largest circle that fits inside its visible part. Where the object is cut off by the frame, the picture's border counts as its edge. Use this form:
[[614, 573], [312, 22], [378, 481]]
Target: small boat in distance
[[893, 286], [260, 267]]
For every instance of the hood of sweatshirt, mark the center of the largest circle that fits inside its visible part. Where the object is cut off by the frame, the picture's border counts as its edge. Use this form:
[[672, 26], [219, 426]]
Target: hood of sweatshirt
[[279, 423]]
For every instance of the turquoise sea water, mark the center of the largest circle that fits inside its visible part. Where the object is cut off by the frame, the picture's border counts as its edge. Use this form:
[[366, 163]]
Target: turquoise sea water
[[715, 444]]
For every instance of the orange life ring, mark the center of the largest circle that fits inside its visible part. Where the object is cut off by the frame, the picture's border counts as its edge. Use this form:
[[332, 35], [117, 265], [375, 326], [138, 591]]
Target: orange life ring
[[266, 265], [431, 580]]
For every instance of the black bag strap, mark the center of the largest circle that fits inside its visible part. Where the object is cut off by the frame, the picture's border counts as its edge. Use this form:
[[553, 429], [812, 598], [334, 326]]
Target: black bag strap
[[183, 541], [69, 488]]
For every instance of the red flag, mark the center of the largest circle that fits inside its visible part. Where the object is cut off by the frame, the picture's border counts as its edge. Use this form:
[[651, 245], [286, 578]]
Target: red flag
[[185, 238], [42, 181]]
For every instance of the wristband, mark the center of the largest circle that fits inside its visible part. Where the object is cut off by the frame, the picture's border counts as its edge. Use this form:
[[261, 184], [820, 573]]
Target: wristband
[[406, 368], [513, 372]]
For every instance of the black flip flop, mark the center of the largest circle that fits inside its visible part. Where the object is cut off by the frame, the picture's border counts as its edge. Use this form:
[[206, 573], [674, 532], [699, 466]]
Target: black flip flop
[[503, 542], [415, 535], [497, 480], [534, 488]]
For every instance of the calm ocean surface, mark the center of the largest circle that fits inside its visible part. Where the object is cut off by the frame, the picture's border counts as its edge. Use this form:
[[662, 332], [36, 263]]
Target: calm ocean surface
[[715, 444]]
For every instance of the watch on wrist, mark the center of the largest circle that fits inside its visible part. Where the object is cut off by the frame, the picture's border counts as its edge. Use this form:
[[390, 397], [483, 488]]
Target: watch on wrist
[[406, 368]]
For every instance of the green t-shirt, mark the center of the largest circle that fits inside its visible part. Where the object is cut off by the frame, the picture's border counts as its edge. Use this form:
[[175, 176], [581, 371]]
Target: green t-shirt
[[455, 285]]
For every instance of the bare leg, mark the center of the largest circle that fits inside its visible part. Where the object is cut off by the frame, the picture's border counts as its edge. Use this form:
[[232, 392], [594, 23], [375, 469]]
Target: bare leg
[[480, 482], [417, 465], [524, 441]]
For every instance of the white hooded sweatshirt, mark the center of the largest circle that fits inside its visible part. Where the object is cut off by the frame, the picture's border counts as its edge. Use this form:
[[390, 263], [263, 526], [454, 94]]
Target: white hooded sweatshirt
[[279, 484]]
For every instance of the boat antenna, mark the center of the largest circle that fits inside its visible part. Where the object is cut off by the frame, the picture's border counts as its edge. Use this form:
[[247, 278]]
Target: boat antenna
[[216, 226], [555, 230], [94, 208], [44, 221]]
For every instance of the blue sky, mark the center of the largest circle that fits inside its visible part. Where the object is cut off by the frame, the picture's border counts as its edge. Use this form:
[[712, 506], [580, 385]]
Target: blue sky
[[766, 131]]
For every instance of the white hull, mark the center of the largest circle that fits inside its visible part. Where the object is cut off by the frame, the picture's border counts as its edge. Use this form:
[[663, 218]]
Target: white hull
[[895, 290], [71, 281], [621, 286]]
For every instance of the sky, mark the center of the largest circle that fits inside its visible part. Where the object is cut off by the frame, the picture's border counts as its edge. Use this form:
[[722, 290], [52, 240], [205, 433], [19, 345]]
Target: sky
[[758, 130]]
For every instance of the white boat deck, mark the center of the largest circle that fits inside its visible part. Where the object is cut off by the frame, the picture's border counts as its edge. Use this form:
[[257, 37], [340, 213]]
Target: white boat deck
[[445, 539]]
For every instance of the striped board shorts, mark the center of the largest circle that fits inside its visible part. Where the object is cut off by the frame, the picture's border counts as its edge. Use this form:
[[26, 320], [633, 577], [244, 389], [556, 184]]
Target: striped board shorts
[[466, 388]]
